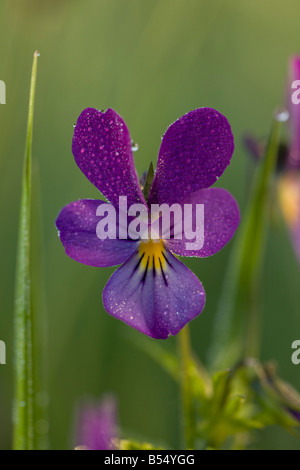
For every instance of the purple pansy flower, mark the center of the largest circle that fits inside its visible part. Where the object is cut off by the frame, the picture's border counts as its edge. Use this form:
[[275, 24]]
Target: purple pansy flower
[[289, 182], [152, 291], [97, 426]]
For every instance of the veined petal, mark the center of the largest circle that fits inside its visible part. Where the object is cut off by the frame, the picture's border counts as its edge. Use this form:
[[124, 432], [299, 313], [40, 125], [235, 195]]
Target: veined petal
[[194, 152], [221, 219], [102, 150], [154, 292], [77, 223]]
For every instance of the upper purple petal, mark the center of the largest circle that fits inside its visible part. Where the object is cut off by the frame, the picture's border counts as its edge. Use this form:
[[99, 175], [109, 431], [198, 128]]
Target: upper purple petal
[[194, 152], [294, 110], [77, 224], [98, 425], [102, 150], [159, 300], [221, 219]]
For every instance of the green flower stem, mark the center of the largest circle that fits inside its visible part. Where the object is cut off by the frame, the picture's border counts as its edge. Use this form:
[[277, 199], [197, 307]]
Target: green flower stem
[[186, 389], [23, 413], [256, 217], [238, 323]]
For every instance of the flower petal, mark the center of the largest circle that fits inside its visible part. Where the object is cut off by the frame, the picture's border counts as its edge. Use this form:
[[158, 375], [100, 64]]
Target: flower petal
[[154, 292], [102, 150], [221, 219], [289, 201], [98, 425], [194, 152], [77, 224], [294, 110]]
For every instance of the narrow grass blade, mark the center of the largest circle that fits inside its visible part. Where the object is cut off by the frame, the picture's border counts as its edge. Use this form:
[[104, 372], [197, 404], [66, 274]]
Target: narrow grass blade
[[148, 182], [237, 330], [23, 413]]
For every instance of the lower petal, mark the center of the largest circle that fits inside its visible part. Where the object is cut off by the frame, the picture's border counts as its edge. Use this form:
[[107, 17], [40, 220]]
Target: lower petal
[[154, 292]]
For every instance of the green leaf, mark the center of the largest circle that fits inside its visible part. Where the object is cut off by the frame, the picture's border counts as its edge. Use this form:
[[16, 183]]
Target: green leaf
[[23, 413], [134, 445], [278, 399], [148, 183], [220, 389], [237, 330]]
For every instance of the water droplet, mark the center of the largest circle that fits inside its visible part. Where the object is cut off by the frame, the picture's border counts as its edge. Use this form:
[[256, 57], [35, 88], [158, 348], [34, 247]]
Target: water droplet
[[282, 115], [134, 146]]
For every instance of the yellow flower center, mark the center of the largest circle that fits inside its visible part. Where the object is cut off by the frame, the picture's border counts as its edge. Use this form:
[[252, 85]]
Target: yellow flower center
[[152, 254], [289, 198]]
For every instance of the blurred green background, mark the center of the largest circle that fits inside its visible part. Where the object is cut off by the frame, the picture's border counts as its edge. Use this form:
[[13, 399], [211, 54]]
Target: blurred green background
[[152, 62]]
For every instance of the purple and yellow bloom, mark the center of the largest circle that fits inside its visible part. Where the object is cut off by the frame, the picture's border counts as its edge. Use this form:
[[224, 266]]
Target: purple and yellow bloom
[[152, 291], [289, 182], [97, 425]]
